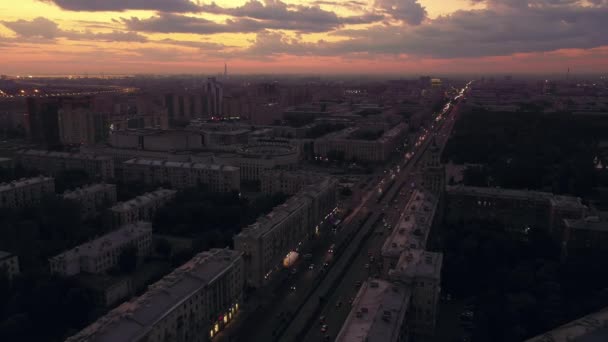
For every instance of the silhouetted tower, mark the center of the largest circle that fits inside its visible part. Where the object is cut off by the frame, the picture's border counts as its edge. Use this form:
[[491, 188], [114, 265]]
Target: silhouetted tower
[[225, 70], [433, 172]]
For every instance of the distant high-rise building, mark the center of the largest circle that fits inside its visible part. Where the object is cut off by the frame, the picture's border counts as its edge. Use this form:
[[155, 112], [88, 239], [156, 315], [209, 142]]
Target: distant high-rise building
[[215, 96], [41, 121], [80, 124], [225, 70]]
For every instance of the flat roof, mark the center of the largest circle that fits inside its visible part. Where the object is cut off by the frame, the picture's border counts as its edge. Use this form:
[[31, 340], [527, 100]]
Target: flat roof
[[412, 230], [590, 328], [24, 182], [64, 155], [184, 165], [418, 263], [377, 314], [144, 199], [588, 223], [499, 192], [95, 247], [555, 200], [267, 223], [77, 193], [134, 319]]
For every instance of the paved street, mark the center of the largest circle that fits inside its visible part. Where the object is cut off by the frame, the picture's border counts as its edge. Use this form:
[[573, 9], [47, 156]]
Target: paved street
[[289, 309]]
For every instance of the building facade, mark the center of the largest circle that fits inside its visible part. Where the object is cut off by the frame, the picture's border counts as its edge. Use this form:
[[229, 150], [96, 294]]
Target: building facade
[[287, 182], [92, 198], [191, 304], [180, 175], [25, 192], [518, 210], [412, 230], [267, 242], [378, 150], [80, 124], [140, 208], [53, 162], [420, 271], [101, 254]]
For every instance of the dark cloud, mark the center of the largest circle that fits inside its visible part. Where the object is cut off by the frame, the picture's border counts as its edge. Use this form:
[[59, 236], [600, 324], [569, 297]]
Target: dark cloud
[[479, 33], [175, 23], [251, 17], [275, 14], [42, 28], [39, 27], [408, 11], [123, 5]]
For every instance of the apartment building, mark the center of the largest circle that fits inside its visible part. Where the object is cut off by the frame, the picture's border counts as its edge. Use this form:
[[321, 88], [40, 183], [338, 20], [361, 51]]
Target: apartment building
[[9, 263], [584, 237], [140, 208], [25, 192], [53, 162], [101, 254], [378, 150], [92, 198], [180, 175], [192, 304], [287, 182], [420, 271], [518, 210], [267, 242], [378, 314], [412, 230]]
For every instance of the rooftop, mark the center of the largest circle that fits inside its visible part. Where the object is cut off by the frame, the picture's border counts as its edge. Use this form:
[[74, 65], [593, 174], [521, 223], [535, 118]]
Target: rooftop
[[588, 223], [393, 132], [499, 192], [418, 263], [268, 149], [92, 248], [591, 328], [414, 226], [64, 155], [24, 182], [134, 319], [184, 165], [377, 313], [266, 224], [79, 192], [554, 200], [143, 200]]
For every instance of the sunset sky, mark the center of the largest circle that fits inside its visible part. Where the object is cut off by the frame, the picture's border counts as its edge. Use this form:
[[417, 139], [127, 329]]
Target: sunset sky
[[298, 36]]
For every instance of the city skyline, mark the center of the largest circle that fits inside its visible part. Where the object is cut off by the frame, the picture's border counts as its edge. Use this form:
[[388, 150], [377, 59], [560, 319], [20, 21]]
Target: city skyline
[[274, 36]]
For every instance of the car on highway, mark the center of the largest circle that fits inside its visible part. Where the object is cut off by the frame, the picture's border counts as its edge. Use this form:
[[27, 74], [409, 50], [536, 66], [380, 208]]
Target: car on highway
[[311, 267], [324, 328], [366, 266], [357, 284], [322, 320], [293, 288]]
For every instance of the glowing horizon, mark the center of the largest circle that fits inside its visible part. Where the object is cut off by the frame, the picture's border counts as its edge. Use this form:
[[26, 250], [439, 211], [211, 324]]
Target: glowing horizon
[[45, 37]]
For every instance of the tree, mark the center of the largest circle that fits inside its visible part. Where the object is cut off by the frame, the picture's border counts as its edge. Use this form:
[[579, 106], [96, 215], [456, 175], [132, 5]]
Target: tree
[[127, 260], [163, 247], [346, 192]]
